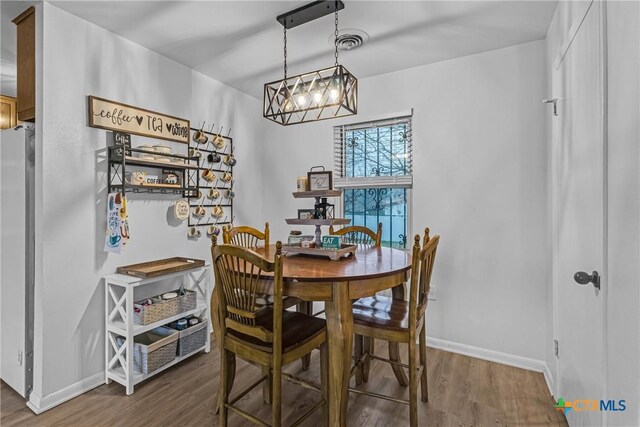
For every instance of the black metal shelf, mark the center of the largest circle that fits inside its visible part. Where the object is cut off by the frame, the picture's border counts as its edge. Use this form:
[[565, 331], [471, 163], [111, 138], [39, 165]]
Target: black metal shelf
[[211, 205], [134, 161], [154, 189]]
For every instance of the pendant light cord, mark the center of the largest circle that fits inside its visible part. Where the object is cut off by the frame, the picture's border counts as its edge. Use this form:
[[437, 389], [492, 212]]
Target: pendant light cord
[[285, 52], [335, 41]]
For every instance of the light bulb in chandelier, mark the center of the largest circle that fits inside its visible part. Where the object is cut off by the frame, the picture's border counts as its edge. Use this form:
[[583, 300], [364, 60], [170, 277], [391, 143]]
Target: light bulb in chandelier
[[302, 99], [317, 96], [288, 105], [334, 94]]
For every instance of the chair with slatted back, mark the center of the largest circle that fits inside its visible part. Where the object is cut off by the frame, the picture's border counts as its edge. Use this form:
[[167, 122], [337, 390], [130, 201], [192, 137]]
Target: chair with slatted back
[[363, 236], [249, 237], [401, 321], [358, 235], [261, 335]]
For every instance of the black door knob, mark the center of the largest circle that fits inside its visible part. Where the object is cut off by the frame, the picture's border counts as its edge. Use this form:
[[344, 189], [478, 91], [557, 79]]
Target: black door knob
[[584, 278]]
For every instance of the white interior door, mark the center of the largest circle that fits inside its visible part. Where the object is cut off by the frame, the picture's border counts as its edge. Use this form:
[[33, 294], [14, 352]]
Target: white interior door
[[579, 150]]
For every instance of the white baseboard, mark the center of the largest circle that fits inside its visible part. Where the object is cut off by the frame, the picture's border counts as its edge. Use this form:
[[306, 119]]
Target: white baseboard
[[39, 404], [490, 355]]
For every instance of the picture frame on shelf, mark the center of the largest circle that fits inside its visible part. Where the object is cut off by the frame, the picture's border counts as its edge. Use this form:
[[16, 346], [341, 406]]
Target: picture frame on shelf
[[320, 180], [306, 213]]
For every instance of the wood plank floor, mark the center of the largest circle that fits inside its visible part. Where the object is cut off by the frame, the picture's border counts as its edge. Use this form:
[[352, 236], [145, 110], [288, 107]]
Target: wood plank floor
[[463, 391]]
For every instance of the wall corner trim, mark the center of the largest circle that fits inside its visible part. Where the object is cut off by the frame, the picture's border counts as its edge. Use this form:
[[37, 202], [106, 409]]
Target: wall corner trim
[[548, 377], [39, 404]]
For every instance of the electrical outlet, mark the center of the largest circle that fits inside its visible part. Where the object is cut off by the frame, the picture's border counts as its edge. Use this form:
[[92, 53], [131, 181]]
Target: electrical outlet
[[432, 294]]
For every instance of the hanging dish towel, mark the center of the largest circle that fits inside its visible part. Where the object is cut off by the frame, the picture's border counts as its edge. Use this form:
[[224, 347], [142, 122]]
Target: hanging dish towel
[[117, 225]]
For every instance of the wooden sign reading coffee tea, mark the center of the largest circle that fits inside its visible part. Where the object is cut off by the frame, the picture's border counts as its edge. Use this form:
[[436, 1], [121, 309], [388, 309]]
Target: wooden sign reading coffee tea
[[111, 115]]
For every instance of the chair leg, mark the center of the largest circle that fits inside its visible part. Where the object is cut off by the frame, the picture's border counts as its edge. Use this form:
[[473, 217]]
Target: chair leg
[[230, 376], [423, 361], [267, 385], [394, 354], [357, 354], [413, 384], [306, 308], [367, 344], [223, 392], [276, 395], [324, 381]]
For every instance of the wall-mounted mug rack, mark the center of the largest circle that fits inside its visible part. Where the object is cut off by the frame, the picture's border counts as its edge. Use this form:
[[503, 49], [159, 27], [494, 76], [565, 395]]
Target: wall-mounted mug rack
[[210, 170]]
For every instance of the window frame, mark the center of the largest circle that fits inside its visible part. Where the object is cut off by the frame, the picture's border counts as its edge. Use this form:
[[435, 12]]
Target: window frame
[[400, 181]]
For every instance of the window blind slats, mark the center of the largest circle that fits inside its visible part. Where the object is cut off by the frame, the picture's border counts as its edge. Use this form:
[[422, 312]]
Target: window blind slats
[[342, 180], [402, 181]]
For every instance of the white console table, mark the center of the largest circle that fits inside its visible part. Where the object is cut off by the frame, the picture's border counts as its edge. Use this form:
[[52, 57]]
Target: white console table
[[119, 297]]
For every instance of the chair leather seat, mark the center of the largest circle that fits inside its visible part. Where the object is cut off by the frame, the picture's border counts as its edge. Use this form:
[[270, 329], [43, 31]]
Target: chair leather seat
[[297, 329], [382, 312]]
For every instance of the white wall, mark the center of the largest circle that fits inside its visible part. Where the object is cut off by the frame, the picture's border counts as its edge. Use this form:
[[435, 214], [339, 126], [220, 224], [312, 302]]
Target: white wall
[[480, 181], [82, 59]]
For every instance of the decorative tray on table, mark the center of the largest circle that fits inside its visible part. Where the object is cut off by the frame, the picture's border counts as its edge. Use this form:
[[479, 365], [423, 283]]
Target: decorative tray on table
[[160, 267], [333, 254]]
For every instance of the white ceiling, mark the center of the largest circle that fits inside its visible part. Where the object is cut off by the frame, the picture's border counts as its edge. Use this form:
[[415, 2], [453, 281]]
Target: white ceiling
[[240, 42]]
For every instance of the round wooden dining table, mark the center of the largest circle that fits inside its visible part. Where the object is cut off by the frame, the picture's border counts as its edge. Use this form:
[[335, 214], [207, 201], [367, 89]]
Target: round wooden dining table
[[338, 283]]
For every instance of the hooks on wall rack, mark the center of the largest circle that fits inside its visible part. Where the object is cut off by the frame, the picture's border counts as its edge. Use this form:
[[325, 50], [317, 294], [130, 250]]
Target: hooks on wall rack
[[218, 178]]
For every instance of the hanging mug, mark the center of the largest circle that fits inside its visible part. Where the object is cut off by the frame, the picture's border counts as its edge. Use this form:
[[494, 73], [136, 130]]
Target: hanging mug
[[200, 137], [213, 158], [213, 230], [208, 175], [214, 194], [229, 194], [218, 141], [194, 232], [230, 160], [199, 211], [194, 152], [217, 211], [226, 177]]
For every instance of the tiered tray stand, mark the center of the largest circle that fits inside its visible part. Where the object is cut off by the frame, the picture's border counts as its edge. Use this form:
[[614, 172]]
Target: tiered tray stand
[[334, 254]]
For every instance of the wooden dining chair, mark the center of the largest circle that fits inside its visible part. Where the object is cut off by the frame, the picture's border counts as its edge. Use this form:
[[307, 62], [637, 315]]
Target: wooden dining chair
[[261, 335], [363, 236], [359, 235], [401, 321], [245, 236], [249, 237]]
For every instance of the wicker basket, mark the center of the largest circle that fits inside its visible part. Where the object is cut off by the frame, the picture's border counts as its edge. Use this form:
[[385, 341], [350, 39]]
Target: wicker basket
[[192, 338], [161, 309], [154, 349]]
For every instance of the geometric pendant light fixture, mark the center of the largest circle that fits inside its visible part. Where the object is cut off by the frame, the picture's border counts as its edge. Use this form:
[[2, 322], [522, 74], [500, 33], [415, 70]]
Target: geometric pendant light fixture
[[317, 95]]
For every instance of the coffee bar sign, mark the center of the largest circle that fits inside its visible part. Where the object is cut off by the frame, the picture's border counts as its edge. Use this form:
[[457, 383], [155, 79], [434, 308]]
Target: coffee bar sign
[[115, 116]]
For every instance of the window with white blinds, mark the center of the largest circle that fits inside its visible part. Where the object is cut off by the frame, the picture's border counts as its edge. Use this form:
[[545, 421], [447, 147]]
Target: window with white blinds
[[374, 154], [373, 167]]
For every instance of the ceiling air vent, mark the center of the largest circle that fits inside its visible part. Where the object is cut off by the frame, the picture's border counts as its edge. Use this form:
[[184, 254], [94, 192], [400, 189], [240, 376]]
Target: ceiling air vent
[[350, 39]]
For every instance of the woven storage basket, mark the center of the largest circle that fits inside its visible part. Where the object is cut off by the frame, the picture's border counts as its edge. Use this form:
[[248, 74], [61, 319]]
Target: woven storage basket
[[154, 349], [188, 301], [161, 309], [192, 338]]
